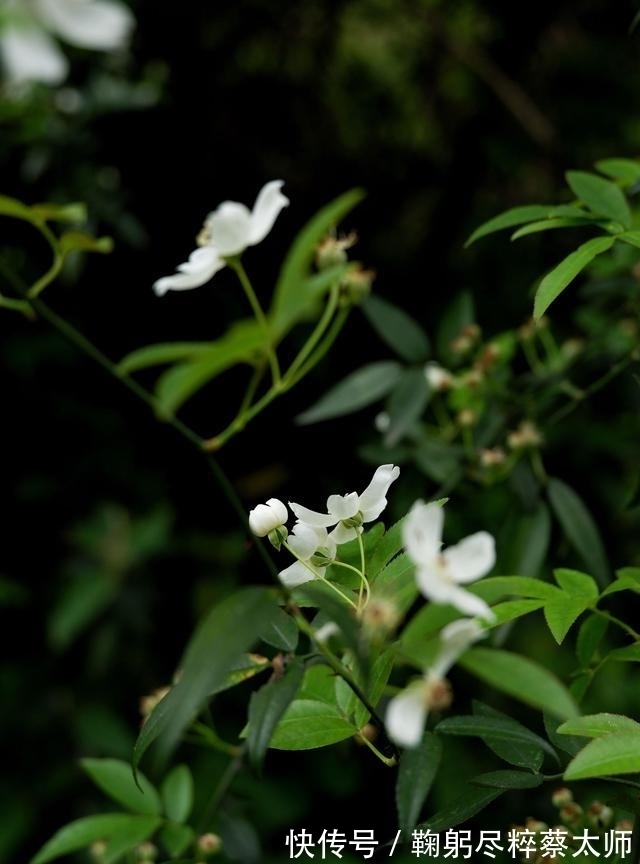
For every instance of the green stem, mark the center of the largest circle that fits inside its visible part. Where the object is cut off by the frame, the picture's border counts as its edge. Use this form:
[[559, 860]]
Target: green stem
[[56, 266], [340, 669], [322, 578], [229, 775], [607, 615], [612, 373], [364, 585], [318, 331], [236, 265], [327, 342]]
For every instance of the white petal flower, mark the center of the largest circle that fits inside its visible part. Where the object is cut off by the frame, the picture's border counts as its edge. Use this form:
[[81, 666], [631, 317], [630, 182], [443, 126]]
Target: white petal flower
[[30, 54], [307, 543], [349, 512], [407, 712], [440, 573], [228, 231], [265, 517], [437, 376], [103, 25]]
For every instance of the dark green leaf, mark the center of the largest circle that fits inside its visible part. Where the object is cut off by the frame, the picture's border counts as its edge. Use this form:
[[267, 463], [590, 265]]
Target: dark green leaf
[[121, 827], [580, 528], [493, 727], [406, 405], [597, 725], [366, 385], [566, 271], [601, 196], [418, 768], [521, 678], [508, 779], [398, 329], [472, 801], [590, 635], [267, 706], [570, 744], [227, 631], [523, 752], [550, 225], [289, 302], [628, 654], [280, 630], [519, 216], [524, 540], [631, 238], [627, 579], [176, 838], [177, 794], [115, 778]]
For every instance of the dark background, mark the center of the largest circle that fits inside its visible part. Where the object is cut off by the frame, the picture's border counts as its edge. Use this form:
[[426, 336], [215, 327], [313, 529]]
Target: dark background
[[445, 113]]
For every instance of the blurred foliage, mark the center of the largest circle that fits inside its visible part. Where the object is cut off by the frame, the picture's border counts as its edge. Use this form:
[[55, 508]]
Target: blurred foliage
[[117, 540]]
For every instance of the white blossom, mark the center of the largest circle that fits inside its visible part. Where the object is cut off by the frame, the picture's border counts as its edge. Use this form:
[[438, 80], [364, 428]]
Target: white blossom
[[227, 232], [407, 712], [27, 45], [266, 517], [437, 376], [314, 548], [439, 573], [349, 512]]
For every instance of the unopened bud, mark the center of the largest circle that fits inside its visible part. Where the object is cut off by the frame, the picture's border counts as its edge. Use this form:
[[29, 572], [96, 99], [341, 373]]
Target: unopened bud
[[146, 852], [367, 733], [561, 797], [356, 285], [380, 616], [264, 518], [467, 417], [149, 702], [527, 435], [466, 339], [332, 250], [98, 850], [208, 844], [571, 813], [599, 815], [491, 456], [437, 376]]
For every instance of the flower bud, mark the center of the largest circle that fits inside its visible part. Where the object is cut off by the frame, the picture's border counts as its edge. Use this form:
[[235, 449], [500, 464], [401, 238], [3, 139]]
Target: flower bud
[[526, 435], [332, 250], [355, 285], [208, 844], [266, 517], [438, 378], [599, 815], [146, 852], [561, 797]]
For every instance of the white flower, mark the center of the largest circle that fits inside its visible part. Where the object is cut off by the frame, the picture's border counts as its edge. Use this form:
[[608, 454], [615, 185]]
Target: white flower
[[437, 376], [407, 712], [266, 517], [226, 232], [315, 550], [29, 53], [440, 573], [349, 512]]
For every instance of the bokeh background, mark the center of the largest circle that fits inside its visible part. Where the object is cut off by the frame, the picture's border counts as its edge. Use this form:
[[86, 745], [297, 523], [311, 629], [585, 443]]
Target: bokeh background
[[116, 537]]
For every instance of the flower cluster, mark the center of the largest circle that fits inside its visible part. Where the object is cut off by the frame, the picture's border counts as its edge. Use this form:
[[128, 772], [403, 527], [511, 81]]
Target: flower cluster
[[439, 575], [227, 232], [29, 51]]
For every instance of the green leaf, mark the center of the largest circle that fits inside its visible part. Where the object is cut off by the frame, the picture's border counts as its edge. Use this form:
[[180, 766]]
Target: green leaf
[[48, 212], [308, 724], [508, 779], [243, 668], [628, 654], [267, 706], [590, 635], [158, 355], [289, 302], [580, 528], [471, 801], [566, 271], [579, 593], [122, 828], [509, 610], [241, 344], [366, 385], [399, 330], [177, 793], [597, 725], [626, 171], [601, 196], [176, 838], [617, 753], [439, 460], [522, 752], [115, 778], [380, 672], [521, 678], [551, 224], [387, 548], [494, 587], [631, 238], [524, 540], [576, 584], [417, 771], [627, 579], [493, 728], [458, 314], [570, 744], [81, 601], [519, 216], [226, 632], [16, 209], [406, 405], [280, 630]]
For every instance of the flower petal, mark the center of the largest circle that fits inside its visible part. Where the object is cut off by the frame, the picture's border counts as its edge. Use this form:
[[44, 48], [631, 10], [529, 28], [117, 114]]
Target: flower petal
[[100, 24], [29, 54], [229, 228], [296, 574], [304, 540], [269, 203], [471, 558], [406, 715], [318, 520], [203, 263], [373, 499], [466, 602], [341, 534], [455, 638], [343, 506], [422, 532]]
